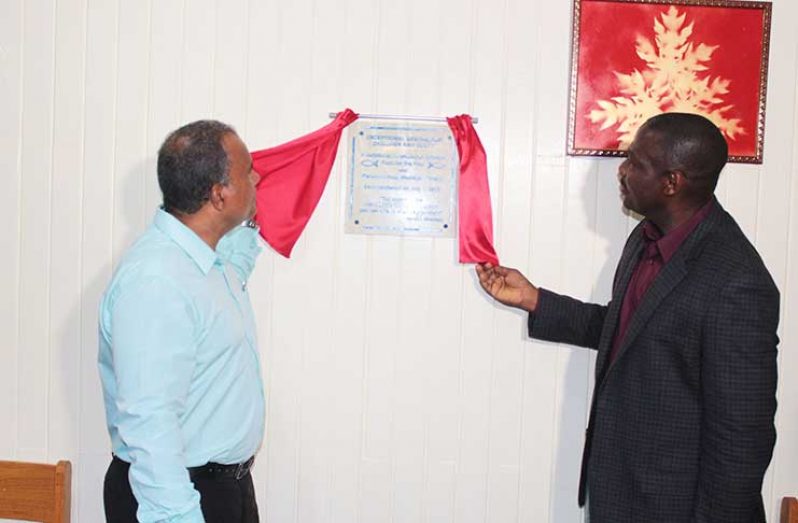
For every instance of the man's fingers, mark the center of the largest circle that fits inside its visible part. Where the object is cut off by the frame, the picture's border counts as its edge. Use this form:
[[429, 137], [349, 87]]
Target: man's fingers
[[501, 271], [482, 275], [492, 278]]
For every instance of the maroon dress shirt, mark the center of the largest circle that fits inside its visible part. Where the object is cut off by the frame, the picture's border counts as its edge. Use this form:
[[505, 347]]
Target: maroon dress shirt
[[657, 251]]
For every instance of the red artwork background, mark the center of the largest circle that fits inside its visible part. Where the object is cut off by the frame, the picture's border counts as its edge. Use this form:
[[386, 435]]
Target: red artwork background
[[607, 43]]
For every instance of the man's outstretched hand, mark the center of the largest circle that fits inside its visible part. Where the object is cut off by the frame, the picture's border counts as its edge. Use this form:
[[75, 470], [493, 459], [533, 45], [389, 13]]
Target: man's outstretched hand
[[507, 286]]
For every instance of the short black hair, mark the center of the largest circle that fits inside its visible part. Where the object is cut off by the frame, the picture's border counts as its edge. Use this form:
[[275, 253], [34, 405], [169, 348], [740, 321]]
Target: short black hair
[[692, 144], [191, 161]]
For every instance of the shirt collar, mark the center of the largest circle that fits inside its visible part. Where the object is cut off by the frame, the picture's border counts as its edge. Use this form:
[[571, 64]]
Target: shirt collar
[[668, 245], [193, 245]]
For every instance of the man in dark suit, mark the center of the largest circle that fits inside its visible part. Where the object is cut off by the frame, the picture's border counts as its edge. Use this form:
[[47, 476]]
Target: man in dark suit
[[681, 423]]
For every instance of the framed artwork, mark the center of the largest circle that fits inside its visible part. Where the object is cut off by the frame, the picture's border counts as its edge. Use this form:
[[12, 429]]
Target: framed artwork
[[633, 59]]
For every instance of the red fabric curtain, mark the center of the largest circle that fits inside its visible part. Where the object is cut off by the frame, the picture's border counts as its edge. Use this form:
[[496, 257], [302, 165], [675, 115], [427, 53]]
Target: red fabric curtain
[[475, 218], [292, 178]]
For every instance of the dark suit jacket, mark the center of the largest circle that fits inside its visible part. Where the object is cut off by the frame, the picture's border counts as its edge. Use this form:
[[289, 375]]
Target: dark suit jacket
[[681, 423]]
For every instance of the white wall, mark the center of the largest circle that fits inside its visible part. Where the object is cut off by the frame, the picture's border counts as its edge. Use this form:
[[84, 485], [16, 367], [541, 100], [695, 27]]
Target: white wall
[[396, 390]]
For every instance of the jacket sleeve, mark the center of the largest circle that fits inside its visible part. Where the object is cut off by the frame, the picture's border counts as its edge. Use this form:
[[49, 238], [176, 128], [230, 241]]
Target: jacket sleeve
[[738, 393], [567, 320]]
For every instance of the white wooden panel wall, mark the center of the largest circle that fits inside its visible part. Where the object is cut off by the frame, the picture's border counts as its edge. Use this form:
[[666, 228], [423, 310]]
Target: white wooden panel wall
[[396, 390]]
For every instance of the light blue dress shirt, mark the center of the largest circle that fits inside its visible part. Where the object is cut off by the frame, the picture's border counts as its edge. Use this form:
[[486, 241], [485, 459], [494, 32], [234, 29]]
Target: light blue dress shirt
[[178, 362]]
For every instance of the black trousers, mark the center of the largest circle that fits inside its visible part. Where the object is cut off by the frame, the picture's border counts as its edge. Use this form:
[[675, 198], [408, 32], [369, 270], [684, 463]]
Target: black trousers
[[226, 500]]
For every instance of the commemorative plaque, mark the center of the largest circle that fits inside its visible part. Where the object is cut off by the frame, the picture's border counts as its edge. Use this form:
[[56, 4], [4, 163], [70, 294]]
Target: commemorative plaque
[[402, 178]]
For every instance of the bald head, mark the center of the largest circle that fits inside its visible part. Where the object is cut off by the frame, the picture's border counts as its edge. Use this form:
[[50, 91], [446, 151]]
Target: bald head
[[691, 144]]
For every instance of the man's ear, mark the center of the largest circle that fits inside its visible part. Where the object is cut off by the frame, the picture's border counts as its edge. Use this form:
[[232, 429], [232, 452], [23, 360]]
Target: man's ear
[[674, 182], [217, 196]]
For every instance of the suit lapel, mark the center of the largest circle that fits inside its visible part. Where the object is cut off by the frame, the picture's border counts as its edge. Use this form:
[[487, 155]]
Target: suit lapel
[[626, 267], [669, 277]]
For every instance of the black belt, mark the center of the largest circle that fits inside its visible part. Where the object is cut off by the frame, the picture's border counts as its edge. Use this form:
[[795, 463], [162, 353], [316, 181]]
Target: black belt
[[219, 471], [215, 470]]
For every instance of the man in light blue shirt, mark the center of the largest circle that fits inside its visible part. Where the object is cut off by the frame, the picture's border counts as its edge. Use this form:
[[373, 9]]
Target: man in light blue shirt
[[178, 356]]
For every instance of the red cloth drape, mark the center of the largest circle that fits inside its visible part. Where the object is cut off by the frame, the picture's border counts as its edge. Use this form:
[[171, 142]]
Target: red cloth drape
[[475, 218], [292, 178]]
